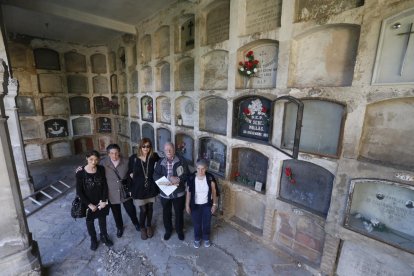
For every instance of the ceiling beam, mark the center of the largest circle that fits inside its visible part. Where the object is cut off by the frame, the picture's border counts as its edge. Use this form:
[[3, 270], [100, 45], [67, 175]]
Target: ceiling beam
[[72, 14]]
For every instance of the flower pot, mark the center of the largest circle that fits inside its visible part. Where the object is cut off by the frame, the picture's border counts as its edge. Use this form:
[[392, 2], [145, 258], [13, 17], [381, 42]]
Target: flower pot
[[180, 122]]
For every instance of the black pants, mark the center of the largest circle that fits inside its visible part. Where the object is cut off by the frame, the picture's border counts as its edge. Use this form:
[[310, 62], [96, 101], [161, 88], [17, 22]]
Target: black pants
[[90, 225], [129, 208], [179, 204]]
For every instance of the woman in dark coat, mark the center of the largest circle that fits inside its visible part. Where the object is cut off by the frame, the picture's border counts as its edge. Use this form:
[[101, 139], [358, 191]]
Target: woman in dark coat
[[143, 188], [92, 189]]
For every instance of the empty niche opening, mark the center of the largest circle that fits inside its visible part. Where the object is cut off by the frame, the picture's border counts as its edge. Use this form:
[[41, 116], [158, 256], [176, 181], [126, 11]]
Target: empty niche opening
[[98, 63], [163, 136], [215, 65], [185, 112], [184, 76], [147, 109], [75, 62], [213, 115], [217, 22], [162, 42], [184, 147], [164, 110], [162, 77], [214, 152], [83, 145], [135, 132], [46, 59]]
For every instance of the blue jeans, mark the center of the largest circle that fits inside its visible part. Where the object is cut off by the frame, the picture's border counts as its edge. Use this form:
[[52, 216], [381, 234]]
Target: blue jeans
[[201, 216]]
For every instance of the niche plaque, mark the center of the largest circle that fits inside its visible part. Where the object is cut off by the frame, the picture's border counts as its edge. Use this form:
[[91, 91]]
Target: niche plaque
[[214, 152], [163, 136], [135, 132], [79, 105], [77, 84], [104, 125], [56, 128], [147, 109]]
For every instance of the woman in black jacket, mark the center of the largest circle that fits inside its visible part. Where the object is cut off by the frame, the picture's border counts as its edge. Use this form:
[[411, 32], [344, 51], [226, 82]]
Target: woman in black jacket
[[143, 188], [92, 189]]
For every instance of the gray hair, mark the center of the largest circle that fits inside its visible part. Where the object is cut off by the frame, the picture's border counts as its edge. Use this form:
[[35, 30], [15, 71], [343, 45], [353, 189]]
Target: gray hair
[[202, 162]]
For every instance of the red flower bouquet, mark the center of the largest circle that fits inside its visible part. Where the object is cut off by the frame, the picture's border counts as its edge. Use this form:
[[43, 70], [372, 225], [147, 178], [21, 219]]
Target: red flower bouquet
[[248, 68]]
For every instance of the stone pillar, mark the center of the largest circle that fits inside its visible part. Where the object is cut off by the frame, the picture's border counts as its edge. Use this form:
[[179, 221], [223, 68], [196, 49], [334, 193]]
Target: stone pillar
[[19, 254], [26, 185]]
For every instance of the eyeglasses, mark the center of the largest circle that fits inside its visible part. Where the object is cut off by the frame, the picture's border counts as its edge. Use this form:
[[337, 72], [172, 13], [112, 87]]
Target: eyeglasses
[[146, 147]]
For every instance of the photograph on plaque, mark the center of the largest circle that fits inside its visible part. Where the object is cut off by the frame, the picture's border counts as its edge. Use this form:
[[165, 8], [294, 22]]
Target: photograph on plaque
[[382, 210], [147, 109], [214, 166], [104, 125], [214, 152], [56, 128]]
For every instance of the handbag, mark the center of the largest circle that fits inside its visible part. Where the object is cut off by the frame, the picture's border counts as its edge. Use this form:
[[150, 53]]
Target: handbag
[[78, 209], [124, 183]]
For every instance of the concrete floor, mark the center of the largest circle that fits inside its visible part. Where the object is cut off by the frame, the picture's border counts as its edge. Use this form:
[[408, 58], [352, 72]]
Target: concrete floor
[[64, 242]]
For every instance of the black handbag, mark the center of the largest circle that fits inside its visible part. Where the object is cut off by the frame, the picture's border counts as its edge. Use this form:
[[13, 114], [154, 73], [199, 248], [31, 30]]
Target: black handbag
[[78, 209]]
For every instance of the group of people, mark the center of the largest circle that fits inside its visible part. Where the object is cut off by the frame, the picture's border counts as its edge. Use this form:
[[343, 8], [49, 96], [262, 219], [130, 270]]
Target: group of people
[[100, 185]]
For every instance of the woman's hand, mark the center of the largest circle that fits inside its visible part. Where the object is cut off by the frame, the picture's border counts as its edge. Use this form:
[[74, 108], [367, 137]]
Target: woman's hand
[[92, 207], [187, 209], [102, 204], [213, 208]]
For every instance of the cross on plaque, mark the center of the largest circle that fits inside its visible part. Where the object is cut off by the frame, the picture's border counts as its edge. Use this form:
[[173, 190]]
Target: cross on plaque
[[55, 124], [406, 47], [190, 25]]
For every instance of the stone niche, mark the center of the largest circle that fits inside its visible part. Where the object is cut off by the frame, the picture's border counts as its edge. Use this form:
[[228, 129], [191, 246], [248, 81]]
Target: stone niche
[[249, 212], [162, 42], [81, 126], [79, 105], [46, 59], [114, 100], [83, 145], [112, 62], [59, 149], [54, 105], [133, 88], [218, 22], [100, 85], [214, 152], [33, 152], [75, 62], [98, 63], [121, 58], [147, 79], [306, 185], [324, 57], [387, 136], [215, 65], [252, 118], [361, 260], [162, 71], [164, 110], [77, 84], [321, 127], [26, 106], [187, 33], [56, 128], [395, 57], [134, 107], [25, 81], [30, 129], [103, 125], [114, 84], [321, 10], [266, 53], [50, 83], [382, 210], [147, 109], [146, 49], [135, 132], [122, 83], [184, 147], [124, 106], [19, 55], [184, 111], [249, 168], [213, 115], [148, 132], [103, 142], [101, 105], [262, 15], [184, 76], [163, 136]]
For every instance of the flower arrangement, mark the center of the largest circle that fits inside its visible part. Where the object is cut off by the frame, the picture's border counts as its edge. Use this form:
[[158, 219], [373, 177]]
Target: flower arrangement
[[248, 68], [289, 174], [254, 108], [148, 104]]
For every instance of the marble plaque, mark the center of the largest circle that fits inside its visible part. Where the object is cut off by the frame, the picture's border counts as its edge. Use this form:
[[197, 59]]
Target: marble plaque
[[33, 152], [101, 105], [218, 23], [112, 62], [267, 55], [134, 107], [164, 110], [30, 129], [383, 210], [262, 15], [59, 149], [162, 41], [146, 49], [75, 62], [46, 59], [25, 81], [122, 83], [77, 84], [26, 106], [83, 145], [147, 111], [250, 210], [50, 83], [114, 84], [214, 152], [320, 10], [79, 105], [81, 126], [135, 132], [103, 143], [216, 65], [147, 79], [114, 102], [184, 147], [188, 34], [249, 167], [18, 56], [98, 63], [185, 109], [163, 136], [124, 106], [122, 57], [100, 85], [253, 118], [54, 106], [56, 128], [213, 115], [306, 185], [186, 75], [148, 132], [104, 125], [134, 82], [163, 77]]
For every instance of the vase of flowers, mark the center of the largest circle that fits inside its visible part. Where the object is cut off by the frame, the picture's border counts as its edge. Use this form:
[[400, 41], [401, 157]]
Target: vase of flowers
[[179, 120], [248, 68]]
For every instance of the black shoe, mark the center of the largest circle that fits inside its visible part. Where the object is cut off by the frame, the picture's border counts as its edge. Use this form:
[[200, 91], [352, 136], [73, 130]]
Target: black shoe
[[181, 236], [137, 227], [105, 239], [94, 244], [119, 232], [167, 236]]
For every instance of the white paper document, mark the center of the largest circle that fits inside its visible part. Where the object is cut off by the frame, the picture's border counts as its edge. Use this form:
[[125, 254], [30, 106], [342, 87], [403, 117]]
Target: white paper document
[[165, 185]]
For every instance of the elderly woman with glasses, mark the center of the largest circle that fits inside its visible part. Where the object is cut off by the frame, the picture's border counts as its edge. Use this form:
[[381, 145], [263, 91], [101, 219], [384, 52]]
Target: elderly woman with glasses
[[143, 188]]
